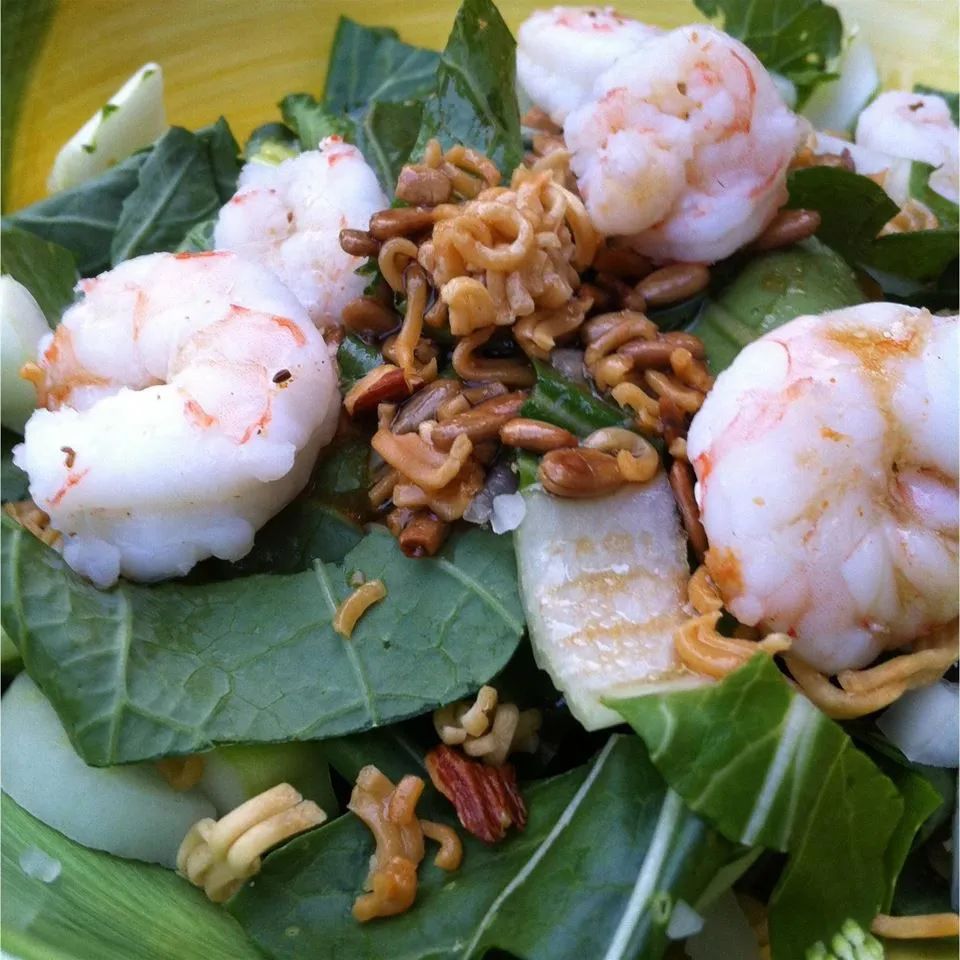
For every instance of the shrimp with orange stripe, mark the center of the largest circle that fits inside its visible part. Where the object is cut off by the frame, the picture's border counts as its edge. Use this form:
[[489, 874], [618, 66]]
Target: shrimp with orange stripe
[[183, 400], [684, 146]]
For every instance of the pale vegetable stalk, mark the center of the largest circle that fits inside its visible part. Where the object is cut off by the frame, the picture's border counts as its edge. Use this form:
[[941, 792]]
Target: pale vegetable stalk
[[132, 119]]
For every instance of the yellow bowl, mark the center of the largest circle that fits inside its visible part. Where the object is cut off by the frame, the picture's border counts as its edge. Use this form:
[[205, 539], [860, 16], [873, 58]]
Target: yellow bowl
[[239, 57]]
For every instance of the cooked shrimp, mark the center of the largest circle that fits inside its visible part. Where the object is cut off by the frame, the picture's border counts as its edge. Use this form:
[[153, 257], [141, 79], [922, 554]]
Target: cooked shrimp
[[289, 217], [186, 398], [685, 145], [827, 464], [914, 126], [561, 52]]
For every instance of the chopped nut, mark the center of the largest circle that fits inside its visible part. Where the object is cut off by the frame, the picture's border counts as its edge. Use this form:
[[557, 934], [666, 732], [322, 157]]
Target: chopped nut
[[424, 405], [423, 534], [380, 385], [486, 798]]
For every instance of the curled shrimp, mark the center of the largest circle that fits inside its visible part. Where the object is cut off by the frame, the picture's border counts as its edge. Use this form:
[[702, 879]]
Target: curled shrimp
[[914, 126], [289, 217], [186, 397], [684, 147], [561, 52], [826, 457]]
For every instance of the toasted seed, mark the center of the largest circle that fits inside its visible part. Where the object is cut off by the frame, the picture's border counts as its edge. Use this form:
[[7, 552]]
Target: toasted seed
[[681, 482], [580, 472], [422, 185], [674, 283], [369, 315], [535, 435], [621, 262], [788, 227], [626, 325], [647, 353], [672, 419], [598, 326], [688, 341], [400, 222], [423, 405], [483, 391], [635, 300], [358, 243], [482, 422], [601, 298]]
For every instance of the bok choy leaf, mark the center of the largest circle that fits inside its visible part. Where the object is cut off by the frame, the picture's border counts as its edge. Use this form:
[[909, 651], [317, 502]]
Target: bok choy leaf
[[782, 775], [607, 853], [100, 906], [140, 672]]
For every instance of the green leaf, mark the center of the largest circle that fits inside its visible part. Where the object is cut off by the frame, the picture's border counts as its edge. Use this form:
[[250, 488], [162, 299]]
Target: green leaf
[[558, 400], [46, 269], [101, 906], [13, 481], [946, 211], [184, 181], [771, 290], [305, 531], [342, 476], [199, 237], [606, 854], [356, 359], [765, 767], [223, 154], [312, 121], [852, 211], [796, 39], [140, 672], [384, 132], [527, 468], [952, 98], [852, 207], [371, 64], [920, 889], [271, 143], [476, 99], [919, 255], [84, 218], [23, 26], [321, 524], [920, 802], [386, 135]]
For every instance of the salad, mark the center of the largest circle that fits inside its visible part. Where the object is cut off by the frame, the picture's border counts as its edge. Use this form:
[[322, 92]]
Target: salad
[[505, 508]]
